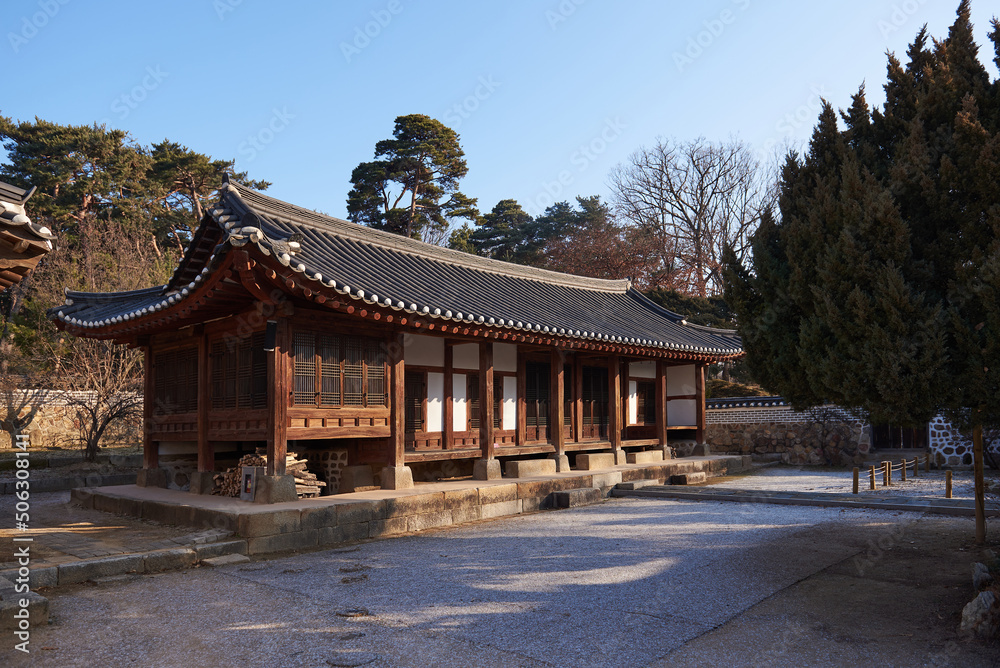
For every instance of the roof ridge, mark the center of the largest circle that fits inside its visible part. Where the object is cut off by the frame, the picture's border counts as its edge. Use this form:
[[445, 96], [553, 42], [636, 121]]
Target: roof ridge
[[396, 242]]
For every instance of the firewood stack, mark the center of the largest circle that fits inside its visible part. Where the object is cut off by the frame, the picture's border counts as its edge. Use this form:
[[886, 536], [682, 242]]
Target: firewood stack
[[307, 485]]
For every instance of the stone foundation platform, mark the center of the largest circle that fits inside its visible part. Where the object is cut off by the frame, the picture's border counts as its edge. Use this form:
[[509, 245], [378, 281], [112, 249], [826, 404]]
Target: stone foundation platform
[[345, 518]]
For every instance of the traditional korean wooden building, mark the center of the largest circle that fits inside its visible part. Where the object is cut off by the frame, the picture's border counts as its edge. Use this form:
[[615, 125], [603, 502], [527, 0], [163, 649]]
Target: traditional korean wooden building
[[22, 242], [287, 327]]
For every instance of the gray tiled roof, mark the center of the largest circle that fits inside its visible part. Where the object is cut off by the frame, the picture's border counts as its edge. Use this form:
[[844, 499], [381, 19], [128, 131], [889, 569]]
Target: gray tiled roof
[[13, 214], [406, 275]]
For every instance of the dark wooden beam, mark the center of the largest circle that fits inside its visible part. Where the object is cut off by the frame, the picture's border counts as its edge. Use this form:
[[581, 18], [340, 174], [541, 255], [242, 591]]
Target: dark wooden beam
[[614, 401], [279, 369], [661, 402], [448, 428], [150, 448], [206, 455], [397, 408], [486, 399], [699, 384], [556, 402], [577, 398]]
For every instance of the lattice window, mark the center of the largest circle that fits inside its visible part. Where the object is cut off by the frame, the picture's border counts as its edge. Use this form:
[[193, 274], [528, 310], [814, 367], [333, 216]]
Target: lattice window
[[497, 400], [567, 395], [304, 379], [645, 397], [536, 394], [472, 400], [354, 372], [175, 374], [414, 398], [375, 374], [595, 397], [238, 373], [330, 371]]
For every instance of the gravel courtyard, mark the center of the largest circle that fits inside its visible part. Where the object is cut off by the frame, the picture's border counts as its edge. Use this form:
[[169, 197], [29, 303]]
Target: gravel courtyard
[[626, 582]]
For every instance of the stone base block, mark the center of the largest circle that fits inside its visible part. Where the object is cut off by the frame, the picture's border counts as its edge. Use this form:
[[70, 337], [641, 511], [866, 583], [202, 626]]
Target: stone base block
[[202, 482], [397, 477], [620, 456], [701, 450], [688, 478], [644, 457], [486, 469], [353, 477], [275, 489], [571, 498], [591, 461], [151, 478], [668, 453], [562, 462], [523, 468]]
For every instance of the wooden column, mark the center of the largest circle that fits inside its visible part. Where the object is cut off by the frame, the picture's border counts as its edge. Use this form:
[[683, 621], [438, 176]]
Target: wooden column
[[206, 455], [279, 370], [699, 389], [556, 401], [150, 448], [486, 399], [397, 407], [577, 398], [661, 402], [614, 401], [448, 431], [522, 413]]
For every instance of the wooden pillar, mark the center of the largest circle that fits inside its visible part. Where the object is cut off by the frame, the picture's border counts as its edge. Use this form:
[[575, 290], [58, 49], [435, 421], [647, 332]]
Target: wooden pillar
[[150, 448], [448, 428], [661, 403], [279, 370], [699, 385], [556, 401], [614, 401], [577, 398], [397, 407], [522, 413], [206, 455], [486, 443]]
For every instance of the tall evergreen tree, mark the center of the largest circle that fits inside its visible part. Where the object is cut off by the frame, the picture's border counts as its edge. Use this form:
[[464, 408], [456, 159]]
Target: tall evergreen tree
[[879, 287]]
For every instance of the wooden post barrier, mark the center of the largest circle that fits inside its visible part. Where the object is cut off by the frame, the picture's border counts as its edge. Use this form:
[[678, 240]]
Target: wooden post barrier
[[855, 479], [947, 484], [927, 462], [885, 474], [902, 471], [916, 467], [871, 477]]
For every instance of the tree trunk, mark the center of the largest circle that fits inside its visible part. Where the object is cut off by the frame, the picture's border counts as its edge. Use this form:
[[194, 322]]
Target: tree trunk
[[977, 464]]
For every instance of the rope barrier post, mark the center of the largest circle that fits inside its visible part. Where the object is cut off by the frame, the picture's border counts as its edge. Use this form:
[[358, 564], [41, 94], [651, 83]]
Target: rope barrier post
[[855, 479], [871, 476], [947, 484], [902, 471], [885, 474]]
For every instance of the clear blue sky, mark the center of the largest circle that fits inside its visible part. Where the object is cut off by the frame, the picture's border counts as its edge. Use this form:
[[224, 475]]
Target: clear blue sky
[[544, 89]]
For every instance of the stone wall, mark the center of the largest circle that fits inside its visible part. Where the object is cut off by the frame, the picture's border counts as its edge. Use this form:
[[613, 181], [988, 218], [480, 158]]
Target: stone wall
[[768, 429], [56, 425], [952, 448]]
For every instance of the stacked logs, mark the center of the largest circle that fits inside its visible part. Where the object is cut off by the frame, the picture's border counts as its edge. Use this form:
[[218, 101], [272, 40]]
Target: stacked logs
[[307, 485]]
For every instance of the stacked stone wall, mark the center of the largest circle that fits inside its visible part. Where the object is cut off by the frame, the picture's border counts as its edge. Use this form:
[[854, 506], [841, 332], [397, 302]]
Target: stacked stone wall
[[824, 436], [952, 448], [56, 425]]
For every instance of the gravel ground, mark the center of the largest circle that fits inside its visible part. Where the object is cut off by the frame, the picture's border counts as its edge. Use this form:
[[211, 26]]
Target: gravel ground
[[627, 582], [813, 479]]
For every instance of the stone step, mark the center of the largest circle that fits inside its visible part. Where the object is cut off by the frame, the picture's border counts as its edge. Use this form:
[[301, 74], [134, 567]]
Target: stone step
[[226, 560], [636, 484], [692, 478], [572, 498]]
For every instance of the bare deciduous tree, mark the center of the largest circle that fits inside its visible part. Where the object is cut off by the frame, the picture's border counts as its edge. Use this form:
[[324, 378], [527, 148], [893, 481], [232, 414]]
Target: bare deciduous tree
[[694, 198], [21, 400], [107, 384]]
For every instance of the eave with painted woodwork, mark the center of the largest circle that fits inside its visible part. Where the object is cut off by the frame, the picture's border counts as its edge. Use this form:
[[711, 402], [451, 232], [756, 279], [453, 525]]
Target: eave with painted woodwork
[[22, 242], [281, 326]]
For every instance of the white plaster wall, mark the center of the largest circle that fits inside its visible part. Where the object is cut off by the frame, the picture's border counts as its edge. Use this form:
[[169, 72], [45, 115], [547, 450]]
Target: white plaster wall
[[459, 405], [509, 418], [682, 412], [435, 402], [633, 402], [680, 380], [465, 356], [504, 357], [642, 369], [423, 350]]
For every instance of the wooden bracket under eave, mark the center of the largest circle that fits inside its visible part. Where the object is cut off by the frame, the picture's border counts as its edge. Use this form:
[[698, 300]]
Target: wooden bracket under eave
[[244, 267]]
